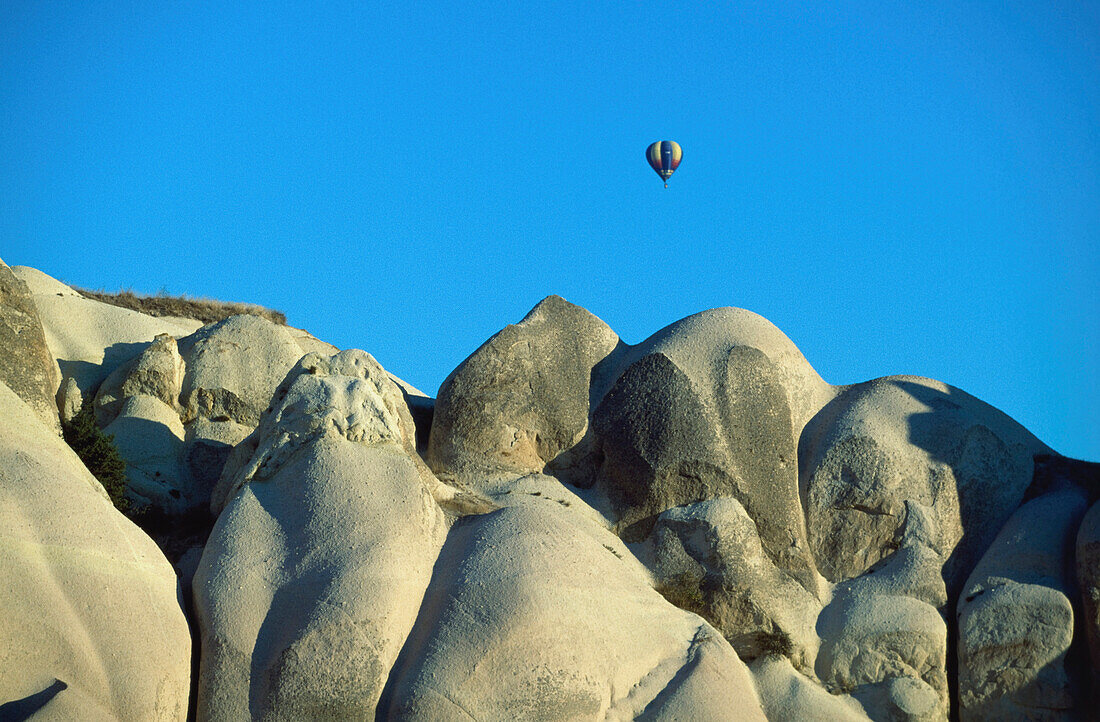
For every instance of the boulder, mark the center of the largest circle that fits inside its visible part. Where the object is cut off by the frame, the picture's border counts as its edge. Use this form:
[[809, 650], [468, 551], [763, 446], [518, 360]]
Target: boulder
[[149, 436], [69, 399], [314, 572], [867, 639], [534, 612], [92, 624], [701, 344], [521, 401], [233, 366], [26, 366], [1015, 617], [884, 640], [711, 406], [1088, 579], [902, 699], [903, 438], [709, 560]]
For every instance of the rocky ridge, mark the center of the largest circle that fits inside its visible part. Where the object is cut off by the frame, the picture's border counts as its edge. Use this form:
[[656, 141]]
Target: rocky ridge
[[693, 527]]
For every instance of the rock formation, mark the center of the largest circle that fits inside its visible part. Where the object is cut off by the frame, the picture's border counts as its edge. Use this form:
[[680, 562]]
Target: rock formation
[[696, 526], [26, 366], [92, 625]]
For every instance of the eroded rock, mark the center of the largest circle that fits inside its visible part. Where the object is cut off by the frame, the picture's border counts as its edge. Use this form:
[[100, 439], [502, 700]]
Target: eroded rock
[[26, 365], [521, 401], [92, 620], [892, 440], [709, 560], [1015, 617], [533, 602], [315, 569]]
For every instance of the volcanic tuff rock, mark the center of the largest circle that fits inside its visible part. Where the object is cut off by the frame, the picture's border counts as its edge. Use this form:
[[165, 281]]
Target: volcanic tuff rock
[[615, 531], [882, 443], [538, 605], [1016, 617], [314, 572], [88, 338], [521, 401], [708, 559], [26, 366], [91, 624]]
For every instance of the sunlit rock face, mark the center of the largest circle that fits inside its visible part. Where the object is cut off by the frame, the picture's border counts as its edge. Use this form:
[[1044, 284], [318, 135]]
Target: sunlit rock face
[[696, 526], [315, 570], [91, 621]]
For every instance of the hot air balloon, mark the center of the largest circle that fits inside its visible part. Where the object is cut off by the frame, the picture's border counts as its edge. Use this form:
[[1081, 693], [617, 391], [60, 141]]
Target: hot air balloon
[[664, 157]]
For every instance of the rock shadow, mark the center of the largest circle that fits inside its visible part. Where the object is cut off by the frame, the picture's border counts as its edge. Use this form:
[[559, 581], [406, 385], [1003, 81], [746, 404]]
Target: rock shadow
[[22, 709]]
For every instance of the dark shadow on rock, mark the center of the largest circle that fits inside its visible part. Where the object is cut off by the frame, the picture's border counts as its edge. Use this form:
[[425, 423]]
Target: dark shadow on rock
[[579, 464], [89, 375], [1054, 472], [22, 709], [203, 460], [422, 409]]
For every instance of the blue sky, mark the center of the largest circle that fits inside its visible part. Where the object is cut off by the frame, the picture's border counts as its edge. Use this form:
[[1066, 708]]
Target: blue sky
[[899, 187]]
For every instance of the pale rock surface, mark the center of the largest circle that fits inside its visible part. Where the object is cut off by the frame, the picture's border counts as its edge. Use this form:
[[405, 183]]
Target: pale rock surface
[[69, 399], [708, 559], [1015, 616], [520, 402], [712, 406], [315, 569], [1088, 579], [91, 618], [90, 339], [902, 699], [903, 438], [788, 695], [700, 345], [537, 604], [26, 365], [870, 638], [233, 366]]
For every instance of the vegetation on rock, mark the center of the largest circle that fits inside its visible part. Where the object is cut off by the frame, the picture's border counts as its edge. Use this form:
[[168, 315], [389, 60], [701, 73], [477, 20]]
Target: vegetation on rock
[[206, 310], [97, 450]]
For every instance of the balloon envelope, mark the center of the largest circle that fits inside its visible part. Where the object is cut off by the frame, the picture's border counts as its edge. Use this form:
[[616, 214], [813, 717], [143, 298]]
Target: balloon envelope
[[664, 157]]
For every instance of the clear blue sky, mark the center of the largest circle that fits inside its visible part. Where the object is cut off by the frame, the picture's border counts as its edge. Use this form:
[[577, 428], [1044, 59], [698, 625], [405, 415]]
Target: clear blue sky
[[899, 187]]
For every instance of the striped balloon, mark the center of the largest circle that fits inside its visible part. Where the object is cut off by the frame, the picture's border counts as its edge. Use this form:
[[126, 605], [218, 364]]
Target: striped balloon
[[664, 157]]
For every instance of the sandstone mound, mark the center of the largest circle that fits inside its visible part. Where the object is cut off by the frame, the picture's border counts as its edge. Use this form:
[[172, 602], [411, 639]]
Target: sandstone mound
[[904, 439], [537, 606], [313, 574], [522, 400], [92, 625]]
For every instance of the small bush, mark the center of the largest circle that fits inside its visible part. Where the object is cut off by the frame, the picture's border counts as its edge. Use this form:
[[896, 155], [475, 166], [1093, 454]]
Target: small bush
[[777, 642], [97, 450], [684, 592]]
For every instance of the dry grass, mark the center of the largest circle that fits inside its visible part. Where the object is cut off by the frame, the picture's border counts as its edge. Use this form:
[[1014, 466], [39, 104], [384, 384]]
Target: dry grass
[[206, 310]]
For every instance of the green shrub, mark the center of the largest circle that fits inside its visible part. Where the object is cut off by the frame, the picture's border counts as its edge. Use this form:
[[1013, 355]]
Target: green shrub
[[683, 590], [97, 450], [777, 642]]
